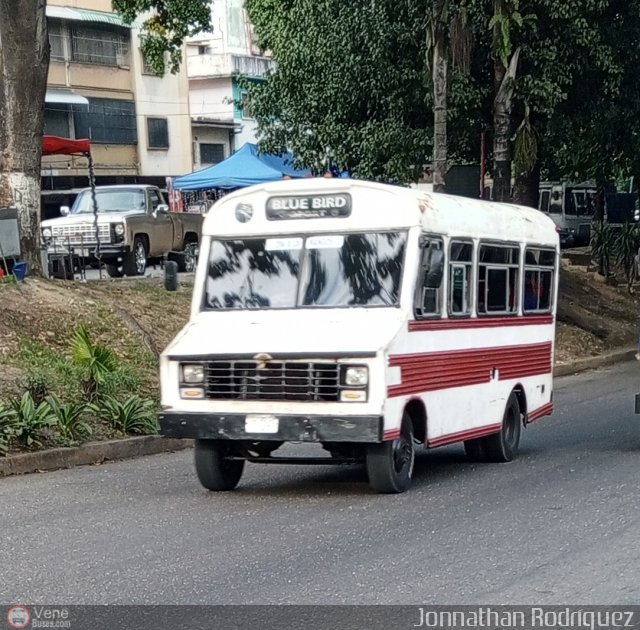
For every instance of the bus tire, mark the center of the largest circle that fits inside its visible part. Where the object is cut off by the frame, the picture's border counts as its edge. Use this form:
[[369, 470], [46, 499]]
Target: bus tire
[[503, 446], [215, 472], [390, 464]]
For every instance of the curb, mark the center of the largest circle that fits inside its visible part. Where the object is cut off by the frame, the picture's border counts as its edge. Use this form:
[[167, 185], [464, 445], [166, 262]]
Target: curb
[[130, 448], [594, 363], [90, 453]]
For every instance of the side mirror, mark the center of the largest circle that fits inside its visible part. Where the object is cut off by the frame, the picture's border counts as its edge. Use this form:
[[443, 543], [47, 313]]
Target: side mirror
[[163, 208], [434, 268], [65, 211]]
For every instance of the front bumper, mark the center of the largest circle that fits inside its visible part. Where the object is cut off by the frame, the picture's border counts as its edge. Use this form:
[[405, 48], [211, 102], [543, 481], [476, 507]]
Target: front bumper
[[108, 250], [291, 428]]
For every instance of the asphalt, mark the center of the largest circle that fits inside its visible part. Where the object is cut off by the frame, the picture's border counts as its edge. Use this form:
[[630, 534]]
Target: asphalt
[[559, 525]]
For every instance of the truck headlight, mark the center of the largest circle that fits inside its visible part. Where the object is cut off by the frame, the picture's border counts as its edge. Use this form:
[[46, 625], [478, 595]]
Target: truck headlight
[[192, 373], [356, 376], [47, 234], [119, 229]]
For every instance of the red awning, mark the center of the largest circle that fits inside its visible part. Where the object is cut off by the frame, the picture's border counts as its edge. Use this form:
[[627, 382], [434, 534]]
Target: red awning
[[51, 145]]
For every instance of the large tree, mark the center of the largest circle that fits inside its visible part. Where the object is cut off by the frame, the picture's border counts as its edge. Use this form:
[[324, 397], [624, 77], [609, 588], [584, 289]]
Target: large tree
[[353, 86], [24, 65]]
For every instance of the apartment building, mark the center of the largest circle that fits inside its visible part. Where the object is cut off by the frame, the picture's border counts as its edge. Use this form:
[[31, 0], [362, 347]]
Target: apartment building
[[100, 88], [220, 123]]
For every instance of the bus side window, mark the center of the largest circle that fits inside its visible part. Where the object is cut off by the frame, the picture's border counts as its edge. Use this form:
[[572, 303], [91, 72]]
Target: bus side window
[[498, 267], [460, 267], [539, 270], [428, 300]]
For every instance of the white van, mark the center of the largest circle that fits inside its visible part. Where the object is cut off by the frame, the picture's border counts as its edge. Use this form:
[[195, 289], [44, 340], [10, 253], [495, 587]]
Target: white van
[[367, 318]]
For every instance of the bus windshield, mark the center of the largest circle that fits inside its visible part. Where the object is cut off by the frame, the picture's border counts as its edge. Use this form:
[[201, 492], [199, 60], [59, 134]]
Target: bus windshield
[[337, 270]]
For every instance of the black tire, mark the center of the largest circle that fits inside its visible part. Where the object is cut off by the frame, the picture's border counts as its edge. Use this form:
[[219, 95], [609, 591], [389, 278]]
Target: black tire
[[188, 259], [135, 262], [503, 446], [390, 464], [215, 472], [115, 271]]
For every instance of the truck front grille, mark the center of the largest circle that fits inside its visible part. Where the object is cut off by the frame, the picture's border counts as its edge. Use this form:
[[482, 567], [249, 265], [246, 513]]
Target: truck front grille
[[273, 380], [81, 234]]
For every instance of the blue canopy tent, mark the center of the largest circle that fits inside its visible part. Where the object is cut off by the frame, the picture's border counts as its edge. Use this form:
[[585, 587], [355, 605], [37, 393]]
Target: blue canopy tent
[[243, 168]]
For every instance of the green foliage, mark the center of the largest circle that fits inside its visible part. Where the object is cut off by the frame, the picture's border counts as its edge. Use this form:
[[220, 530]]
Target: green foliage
[[164, 31], [97, 362], [8, 427], [69, 420], [602, 246], [625, 247], [134, 415], [30, 420]]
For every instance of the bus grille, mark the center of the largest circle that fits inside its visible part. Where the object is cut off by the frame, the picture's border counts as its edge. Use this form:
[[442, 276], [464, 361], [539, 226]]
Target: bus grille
[[275, 380]]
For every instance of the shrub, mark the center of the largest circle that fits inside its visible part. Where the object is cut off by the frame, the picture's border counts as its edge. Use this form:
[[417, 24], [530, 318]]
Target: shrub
[[69, 419], [7, 427], [30, 420], [134, 415], [96, 361]]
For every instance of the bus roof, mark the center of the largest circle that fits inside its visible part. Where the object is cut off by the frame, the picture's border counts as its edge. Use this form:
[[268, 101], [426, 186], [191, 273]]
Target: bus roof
[[372, 206]]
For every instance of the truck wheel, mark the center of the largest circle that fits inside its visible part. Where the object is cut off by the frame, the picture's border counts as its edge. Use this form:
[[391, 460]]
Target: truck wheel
[[390, 464], [215, 472], [135, 262], [188, 259], [115, 271], [503, 446]]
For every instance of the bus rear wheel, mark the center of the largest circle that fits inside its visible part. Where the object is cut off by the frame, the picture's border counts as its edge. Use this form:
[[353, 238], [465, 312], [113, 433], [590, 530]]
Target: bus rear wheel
[[215, 471], [390, 464], [503, 446]]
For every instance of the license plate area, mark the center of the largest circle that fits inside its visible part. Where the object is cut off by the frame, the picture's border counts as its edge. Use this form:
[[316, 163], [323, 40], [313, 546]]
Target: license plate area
[[258, 423]]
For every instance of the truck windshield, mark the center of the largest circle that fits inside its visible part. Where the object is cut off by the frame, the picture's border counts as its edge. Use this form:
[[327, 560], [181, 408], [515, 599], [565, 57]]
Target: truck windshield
[[110, 201], [338, 270]]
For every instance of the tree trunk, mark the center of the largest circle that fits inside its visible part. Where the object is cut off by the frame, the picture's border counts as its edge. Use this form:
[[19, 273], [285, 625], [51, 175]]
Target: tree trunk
[[527, 187], [440, 68], [24, 65]]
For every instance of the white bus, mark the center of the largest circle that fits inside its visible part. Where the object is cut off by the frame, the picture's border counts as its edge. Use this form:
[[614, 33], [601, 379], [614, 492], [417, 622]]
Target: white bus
[[368, 319]]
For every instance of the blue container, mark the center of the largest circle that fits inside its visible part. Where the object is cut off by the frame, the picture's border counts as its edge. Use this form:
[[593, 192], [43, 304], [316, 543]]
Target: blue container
[[20, 271]]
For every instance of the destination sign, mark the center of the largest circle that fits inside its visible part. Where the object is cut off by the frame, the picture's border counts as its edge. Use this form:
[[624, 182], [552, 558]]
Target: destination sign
[[309, 207]]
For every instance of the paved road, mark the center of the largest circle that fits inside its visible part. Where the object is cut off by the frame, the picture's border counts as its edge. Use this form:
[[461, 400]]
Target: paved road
[[560, 525]]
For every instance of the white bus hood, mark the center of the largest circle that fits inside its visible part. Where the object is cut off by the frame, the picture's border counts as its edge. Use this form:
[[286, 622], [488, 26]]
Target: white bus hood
[[339, 332]]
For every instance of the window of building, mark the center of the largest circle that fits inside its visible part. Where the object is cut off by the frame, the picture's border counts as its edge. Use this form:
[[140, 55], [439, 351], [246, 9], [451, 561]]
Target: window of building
[[100, 45], [57, 120], [202, 50], [498, 279], [57, 37], [211, 153], [245, 105], [107, 121], [146, 66], [539, 269], [428, 301], [460, 274], [158, 133]]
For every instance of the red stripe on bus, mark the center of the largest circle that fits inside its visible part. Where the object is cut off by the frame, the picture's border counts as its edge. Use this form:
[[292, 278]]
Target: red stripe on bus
[[461, 368], [391, 434], [470, 434], [545, 410], [479, 322]]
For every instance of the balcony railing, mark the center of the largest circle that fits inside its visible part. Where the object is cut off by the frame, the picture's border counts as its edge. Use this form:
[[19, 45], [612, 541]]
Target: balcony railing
[[226, 65]]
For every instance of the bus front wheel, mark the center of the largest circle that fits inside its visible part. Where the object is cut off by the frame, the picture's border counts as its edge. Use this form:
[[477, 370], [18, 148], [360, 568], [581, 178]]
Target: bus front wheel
[[215, 471], [390, 464]]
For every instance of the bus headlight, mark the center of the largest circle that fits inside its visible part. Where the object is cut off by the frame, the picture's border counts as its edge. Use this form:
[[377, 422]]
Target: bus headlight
[[357, 376], [192, 373], [46, 234]]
